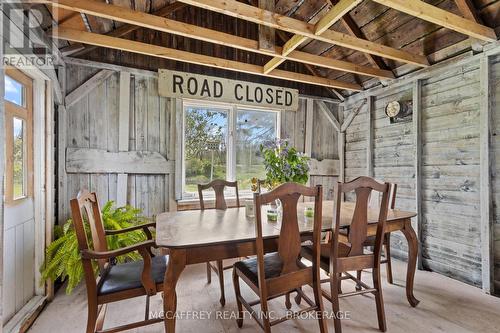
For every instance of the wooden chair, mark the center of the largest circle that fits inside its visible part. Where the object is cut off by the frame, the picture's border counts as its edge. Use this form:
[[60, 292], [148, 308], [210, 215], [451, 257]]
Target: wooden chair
[[387, 237], [339, 257], [218, 186], [114, 282], [276, 274]]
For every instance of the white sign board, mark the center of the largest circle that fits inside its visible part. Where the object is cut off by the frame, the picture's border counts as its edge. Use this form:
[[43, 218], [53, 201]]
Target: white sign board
[[195, 86]]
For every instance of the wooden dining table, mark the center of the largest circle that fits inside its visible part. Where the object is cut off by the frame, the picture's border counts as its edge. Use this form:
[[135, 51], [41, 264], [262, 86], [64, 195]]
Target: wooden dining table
[[199, 236]]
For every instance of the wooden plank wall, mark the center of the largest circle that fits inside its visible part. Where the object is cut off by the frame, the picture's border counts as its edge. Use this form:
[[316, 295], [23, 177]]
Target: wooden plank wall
[[495, 150], [392, 154], [93, 122], [324, 138], [450, 222]]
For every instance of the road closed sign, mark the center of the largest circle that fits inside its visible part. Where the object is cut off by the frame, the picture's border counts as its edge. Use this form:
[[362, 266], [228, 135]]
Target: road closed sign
[[195, 86]]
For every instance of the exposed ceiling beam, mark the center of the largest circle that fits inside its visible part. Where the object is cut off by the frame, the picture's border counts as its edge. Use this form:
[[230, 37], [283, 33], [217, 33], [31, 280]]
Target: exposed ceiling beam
[[329, 19], [441, 17], [354, 30], [468, 10], [267, 35], [281, 35], [193, 58], [466, 7], [260, 16], [136, 18], [336, 13], [122, 30]]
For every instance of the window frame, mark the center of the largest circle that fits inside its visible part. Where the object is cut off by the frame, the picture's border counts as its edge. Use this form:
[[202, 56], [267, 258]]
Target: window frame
[[232, 110], [25, 113]]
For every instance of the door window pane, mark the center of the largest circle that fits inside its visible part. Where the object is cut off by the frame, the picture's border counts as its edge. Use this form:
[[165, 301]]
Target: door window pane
[[205, 145], [14, 91], [252, 129], [19, 160]]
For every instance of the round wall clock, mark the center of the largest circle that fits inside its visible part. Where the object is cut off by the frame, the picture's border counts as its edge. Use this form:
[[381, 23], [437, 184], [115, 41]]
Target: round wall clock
[[392, 109]]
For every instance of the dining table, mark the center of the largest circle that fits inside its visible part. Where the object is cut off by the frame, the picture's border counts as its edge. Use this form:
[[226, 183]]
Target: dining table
[[199, 236]]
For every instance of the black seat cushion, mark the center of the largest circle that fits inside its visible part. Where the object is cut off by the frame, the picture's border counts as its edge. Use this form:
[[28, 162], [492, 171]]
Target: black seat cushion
[[128, 276], [272, 267]]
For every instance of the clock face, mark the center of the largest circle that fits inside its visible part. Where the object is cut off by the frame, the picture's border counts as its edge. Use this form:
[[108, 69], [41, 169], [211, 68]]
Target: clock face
[[392, 109]]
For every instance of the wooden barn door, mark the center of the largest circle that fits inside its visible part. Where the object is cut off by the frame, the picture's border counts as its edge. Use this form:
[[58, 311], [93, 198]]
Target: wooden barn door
[[19, 227]]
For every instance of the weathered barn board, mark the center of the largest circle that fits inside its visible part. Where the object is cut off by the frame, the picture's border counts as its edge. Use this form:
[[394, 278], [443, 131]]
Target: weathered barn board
[[97, 159], [325, 167], [376, 22], [443, 246], [495, 152], [450, 104], [93, 131]]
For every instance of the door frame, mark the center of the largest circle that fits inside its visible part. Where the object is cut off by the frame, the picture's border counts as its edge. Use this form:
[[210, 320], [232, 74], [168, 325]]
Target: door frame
[[43, 188]]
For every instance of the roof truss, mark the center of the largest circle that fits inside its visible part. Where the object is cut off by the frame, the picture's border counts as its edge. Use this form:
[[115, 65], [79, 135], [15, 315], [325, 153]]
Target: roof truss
[[442, 17], [135, 18], [332, 16], [194, 58], [318, 29], [260, 16]]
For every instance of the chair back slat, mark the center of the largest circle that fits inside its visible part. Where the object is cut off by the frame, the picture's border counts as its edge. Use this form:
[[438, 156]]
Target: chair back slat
[[289, 245], [218, 186], [375, 198], [359, 225], [86, 208], [364, 187]]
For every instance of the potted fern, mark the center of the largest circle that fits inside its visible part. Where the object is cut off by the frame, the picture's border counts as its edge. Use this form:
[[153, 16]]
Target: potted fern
[[62, 257]]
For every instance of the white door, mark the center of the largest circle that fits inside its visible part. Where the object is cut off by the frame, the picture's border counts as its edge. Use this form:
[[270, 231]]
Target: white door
[[19, 226]]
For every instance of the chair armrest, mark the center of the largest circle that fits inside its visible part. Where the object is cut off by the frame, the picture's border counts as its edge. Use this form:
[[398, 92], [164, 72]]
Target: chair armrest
[[90, 254], [145, 227]]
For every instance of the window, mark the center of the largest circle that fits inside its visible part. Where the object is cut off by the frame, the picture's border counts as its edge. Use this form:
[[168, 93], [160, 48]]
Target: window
[[18, 159], [18, 136], [205, 145], [223, 142], [14, 91]]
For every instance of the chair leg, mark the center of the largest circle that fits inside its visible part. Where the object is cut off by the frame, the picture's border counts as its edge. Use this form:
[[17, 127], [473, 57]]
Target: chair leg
[[266, 322], [220, 273], [146, 312], [388, 257], [288, 304], [318, 298], [209, 273], [379, 300], [101, 313], [298, 298], [358, 276], [334, 290], [237, 291], [92, 317]]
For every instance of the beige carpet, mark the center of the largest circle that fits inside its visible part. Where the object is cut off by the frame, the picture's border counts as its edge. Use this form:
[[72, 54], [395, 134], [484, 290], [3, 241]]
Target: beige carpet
[[446, 306]]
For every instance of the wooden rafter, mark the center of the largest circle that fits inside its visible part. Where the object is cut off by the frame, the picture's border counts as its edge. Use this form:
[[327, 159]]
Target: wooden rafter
[[311, 69], [329, 19], [468, 10], [260, 16], [194, 58], [122, 30], [441, 17], [132, 17], [354, 30], [267, 35]]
